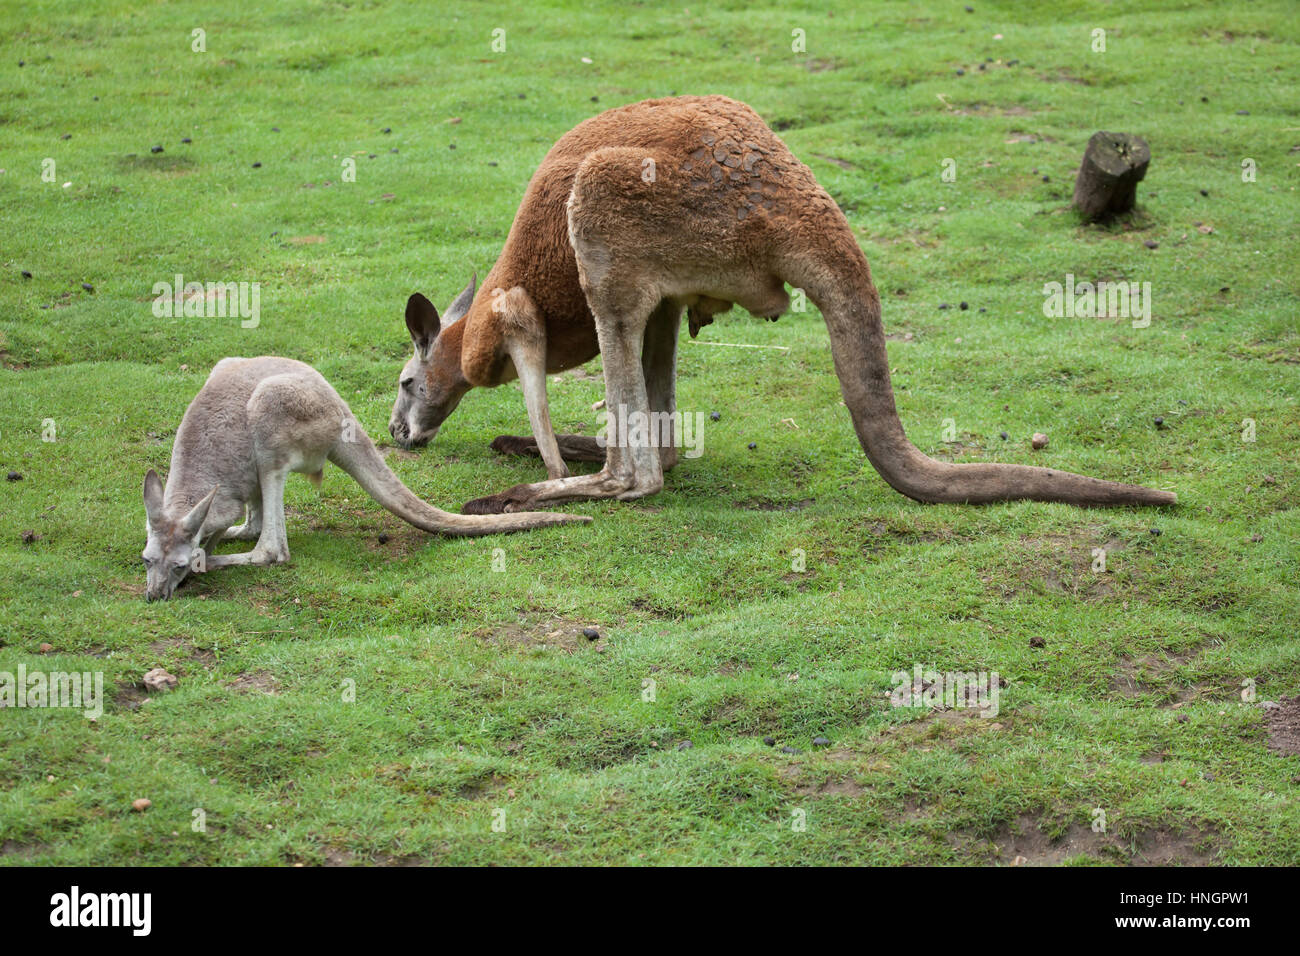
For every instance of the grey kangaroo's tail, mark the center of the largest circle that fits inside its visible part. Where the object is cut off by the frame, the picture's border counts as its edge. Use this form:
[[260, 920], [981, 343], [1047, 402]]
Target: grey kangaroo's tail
[[360, 459]]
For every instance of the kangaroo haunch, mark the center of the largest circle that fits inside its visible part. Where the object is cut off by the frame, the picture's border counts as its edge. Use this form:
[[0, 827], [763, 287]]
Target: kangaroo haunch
[[635, 216], [254, 421]]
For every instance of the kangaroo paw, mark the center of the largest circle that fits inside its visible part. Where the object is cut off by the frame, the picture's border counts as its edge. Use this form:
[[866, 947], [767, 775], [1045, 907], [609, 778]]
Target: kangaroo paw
[[512, 499], [515, 445]]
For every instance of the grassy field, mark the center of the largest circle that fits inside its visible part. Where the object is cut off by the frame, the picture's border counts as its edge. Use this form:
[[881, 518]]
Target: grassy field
[[477, 699]]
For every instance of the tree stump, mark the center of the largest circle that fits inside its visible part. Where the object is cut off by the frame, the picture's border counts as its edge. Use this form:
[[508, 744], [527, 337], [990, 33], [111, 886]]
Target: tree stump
[[1112, 166]]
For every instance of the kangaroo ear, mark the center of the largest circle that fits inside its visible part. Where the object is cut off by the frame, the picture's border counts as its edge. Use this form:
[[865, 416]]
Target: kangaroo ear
[[153, 498], [456, 311], [193, 521], [422, 322]]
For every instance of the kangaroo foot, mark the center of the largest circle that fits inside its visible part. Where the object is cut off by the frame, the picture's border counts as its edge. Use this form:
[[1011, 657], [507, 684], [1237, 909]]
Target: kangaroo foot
[[516, 445], [572, 447], [512, 499]]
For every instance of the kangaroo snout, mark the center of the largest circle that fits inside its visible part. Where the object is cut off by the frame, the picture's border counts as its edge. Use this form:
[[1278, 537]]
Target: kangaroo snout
[[407, 437]]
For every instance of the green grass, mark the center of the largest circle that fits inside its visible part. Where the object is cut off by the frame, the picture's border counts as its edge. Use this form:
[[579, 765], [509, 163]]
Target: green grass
[[467, 700]]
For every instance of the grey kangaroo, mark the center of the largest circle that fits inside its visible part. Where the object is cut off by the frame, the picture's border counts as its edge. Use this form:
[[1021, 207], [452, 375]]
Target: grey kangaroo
[[254, 421]]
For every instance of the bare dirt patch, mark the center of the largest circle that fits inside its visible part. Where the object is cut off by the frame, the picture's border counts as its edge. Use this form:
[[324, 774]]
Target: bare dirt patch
[[1027, 841], [1283, 723], [820, 65], [398, 540], [262, 681], [15, 850], [771, 504], [829, 784], [559, 633], [130, 696], [1062, 564], [1064, 76], [1157, 674]]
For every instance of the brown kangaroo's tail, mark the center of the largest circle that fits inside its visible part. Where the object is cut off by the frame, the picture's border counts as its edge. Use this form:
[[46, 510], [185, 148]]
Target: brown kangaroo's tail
[[851, 307], [360, 459]]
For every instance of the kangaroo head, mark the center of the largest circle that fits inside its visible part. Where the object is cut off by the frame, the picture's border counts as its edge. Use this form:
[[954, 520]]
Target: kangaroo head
[[432, 383], [173, 541]]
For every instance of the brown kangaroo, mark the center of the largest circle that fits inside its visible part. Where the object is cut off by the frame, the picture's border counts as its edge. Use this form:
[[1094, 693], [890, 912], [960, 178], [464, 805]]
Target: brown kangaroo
[[641, 213]]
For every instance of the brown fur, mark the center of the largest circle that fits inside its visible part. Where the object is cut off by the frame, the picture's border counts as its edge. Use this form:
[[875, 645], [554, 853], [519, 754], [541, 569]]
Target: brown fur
[[602, 257]]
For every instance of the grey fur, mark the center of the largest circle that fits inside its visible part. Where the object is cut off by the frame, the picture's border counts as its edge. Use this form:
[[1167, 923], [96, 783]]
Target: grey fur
[[253, 422]]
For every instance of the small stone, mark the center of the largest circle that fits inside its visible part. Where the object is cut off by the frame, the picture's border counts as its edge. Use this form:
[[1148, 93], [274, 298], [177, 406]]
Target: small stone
[[387, 129], [964, 306], [1160, 422], [383, 539], [1019, 861], [29, 536], [961, 72], [1047, 179], [1039, 440], [141, 805], [1204, 192], [944, 305], [186, 140], [155, 149], [715, 416], [685, 745], [591, 634], [88, 287], [13, 476], [1155, 532], [1003, 435], [1037, 642], [821, 742], [769, 741], [1181, 719], [46, 648], [26, 274], [753, 445], [791, 750], [159, 680], [1151, 244], [257, 165]]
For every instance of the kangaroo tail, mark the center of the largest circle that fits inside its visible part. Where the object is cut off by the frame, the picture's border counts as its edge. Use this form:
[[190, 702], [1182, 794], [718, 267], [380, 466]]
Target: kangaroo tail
[[360, 459], [851, 307]]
